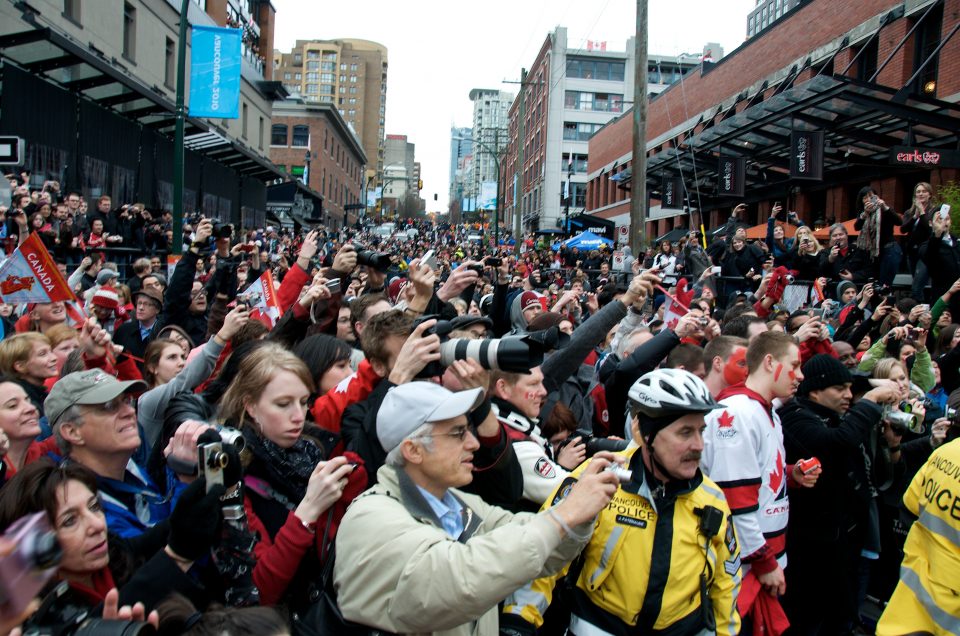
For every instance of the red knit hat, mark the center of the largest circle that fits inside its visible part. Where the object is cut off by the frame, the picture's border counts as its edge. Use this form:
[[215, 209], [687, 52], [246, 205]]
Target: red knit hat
[[107, 298], [529, 299]]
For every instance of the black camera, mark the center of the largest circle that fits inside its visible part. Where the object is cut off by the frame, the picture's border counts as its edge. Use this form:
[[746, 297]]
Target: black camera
[[593, 444], [62, 614], [512, 354], [493, 261], [223, 231], [377, 260]]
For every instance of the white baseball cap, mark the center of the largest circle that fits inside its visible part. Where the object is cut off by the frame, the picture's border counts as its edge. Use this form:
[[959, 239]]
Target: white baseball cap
[[409, 406]]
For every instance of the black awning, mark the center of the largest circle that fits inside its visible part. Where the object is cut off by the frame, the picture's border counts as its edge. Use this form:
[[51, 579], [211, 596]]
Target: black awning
[[673, 235], [861, 122], [294, 202], [88, 73]]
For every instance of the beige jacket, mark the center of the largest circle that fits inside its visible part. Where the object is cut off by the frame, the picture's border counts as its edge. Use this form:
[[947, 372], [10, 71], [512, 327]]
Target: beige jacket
[[396, 568]]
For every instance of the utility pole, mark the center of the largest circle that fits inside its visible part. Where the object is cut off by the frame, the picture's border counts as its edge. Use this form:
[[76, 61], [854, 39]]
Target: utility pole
[[517, 207], [177, 247], [638, 185]]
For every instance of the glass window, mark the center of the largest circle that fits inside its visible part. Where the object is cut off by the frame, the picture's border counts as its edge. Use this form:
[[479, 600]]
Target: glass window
[[313, 66], [327, 77], [278, 135], [312, 89], [313, 77], [616, 71], [297, 59], [129, 31], [301, 136], [313, 55], [353, 90], [328, 66], [353, 78], [327, 89], [571, 99], [603, 71], [287, 76], [353, 67], [343, 67], [297, 76]]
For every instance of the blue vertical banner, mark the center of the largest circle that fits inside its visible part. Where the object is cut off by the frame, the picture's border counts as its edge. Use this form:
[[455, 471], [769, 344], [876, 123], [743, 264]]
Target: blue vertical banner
[[215, 55]]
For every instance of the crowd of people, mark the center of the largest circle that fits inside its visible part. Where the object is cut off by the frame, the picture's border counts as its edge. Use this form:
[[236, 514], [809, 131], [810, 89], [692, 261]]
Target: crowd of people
[[441, 436]]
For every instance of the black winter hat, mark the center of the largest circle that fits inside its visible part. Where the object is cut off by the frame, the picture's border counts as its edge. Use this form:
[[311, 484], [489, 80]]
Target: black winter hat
[[823, 371]]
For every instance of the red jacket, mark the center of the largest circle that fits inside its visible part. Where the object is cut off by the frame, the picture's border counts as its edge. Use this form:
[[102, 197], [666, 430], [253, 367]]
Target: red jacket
[[279, 557], [35, 451], [328, 408], [293, 281], [811, 347]]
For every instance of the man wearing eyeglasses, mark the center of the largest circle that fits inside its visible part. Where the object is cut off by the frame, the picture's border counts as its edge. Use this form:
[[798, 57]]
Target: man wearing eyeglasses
[[95, 424], [417, 555]]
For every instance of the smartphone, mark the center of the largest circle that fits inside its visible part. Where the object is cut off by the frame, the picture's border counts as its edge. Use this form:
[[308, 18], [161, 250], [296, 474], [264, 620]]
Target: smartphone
[[429, 260], [944, 211], [716, 270], [33, 562]]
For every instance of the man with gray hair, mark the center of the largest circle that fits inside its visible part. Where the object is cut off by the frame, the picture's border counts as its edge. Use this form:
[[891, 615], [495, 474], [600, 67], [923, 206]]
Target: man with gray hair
[[843, 261], [415, 554], [95, 423]]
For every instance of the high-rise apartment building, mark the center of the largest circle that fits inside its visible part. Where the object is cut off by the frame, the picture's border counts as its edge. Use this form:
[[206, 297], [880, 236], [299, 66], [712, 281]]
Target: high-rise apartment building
[[569, 94], [490, 123], [350, 73]]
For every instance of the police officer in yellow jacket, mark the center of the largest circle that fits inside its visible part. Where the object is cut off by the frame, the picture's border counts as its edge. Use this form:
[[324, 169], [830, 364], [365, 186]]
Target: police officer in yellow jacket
[[663, 558], [927, 598]]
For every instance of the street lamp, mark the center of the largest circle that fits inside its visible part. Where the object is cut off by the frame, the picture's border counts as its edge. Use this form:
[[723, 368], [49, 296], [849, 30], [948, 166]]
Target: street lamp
[[496, 207]]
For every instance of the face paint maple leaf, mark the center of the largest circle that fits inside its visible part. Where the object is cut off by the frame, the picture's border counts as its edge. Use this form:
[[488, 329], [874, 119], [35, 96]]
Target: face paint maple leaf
[[725, 420], [776, 477]]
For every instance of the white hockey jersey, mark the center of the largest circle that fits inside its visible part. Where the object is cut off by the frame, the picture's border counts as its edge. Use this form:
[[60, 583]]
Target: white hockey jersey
[[743, 453]]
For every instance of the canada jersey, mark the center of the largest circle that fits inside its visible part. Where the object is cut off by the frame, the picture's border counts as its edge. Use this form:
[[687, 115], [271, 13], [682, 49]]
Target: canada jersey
[[744, 454]]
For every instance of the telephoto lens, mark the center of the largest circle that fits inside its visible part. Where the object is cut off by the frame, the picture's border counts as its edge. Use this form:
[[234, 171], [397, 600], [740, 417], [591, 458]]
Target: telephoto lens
[[377, 260]]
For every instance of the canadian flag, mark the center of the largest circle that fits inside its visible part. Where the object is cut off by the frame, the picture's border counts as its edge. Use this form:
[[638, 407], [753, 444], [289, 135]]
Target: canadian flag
[[673, 311], [261, 298]]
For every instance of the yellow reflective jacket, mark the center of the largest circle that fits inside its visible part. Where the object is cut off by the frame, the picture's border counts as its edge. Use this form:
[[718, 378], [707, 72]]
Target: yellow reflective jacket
[[644, 563], [927, 598]]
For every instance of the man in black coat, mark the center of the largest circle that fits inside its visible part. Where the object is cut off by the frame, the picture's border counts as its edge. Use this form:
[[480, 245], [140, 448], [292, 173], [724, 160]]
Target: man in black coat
[[135, 335], [828, 522], [942, 256], [843, 261]]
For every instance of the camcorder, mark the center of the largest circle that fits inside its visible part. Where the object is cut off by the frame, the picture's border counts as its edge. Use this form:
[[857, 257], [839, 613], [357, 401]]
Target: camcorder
[[218, 457], [33, 562], [514, 354]]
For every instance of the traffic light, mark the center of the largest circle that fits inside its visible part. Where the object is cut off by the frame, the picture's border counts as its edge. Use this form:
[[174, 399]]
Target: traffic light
[[419, 184]]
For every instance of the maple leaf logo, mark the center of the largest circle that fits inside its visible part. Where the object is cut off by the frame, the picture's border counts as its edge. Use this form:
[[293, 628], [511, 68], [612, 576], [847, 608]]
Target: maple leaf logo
[[673, 324], [13, 284], [725, 420], [776, 477]]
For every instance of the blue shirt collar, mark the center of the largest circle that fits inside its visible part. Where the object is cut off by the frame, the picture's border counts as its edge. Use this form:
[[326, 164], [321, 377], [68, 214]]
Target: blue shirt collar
[[448, 511]]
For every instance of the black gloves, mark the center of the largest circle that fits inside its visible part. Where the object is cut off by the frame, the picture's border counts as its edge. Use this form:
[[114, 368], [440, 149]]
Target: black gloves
[[195, 522]]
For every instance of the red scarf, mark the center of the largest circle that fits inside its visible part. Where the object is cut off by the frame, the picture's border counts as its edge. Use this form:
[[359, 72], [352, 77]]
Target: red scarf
[[102, 583]]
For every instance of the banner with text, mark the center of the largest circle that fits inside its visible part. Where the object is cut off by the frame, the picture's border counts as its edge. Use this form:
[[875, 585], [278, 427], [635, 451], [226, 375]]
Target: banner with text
[[488, 195], [806, 155], [672, 190], [731, 174], [215, 55], [30, 275]]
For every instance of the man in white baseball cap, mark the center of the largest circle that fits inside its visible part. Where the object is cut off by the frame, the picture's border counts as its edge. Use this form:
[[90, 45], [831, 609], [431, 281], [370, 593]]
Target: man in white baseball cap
[[414, 554]]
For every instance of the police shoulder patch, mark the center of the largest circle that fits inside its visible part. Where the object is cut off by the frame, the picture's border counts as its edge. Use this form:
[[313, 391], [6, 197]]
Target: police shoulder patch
[[563, 490]]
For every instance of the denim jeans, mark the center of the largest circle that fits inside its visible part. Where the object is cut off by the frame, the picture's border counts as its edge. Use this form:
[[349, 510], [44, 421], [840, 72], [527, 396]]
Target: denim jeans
[[890, 257]]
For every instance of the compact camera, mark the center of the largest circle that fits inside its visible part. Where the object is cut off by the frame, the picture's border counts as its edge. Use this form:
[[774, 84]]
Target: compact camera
[[34, 560]]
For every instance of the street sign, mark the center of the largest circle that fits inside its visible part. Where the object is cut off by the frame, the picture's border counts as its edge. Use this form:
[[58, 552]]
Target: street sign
[[623, 234], [11, 151], [618, 259]]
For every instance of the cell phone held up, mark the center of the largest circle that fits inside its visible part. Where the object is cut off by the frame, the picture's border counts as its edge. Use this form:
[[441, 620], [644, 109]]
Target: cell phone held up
[[33, 562]]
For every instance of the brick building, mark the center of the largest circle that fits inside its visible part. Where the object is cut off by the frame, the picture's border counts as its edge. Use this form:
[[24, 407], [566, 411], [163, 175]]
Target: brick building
[[350, 73], [336, 160], [869, 76]]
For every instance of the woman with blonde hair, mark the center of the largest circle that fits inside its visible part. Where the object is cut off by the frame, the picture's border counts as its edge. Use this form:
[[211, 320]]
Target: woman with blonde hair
[[916, 225], [806, 250], [294, 495], [28, 359]]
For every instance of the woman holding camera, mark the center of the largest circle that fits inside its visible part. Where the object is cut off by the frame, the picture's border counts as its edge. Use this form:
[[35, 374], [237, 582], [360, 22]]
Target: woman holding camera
[[166, 370], [294, 496], [146, 569], [916, 225]]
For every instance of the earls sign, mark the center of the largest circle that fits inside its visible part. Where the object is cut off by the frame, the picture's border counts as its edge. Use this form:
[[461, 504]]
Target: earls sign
[[924, 157], [806, 155], [731, 173]]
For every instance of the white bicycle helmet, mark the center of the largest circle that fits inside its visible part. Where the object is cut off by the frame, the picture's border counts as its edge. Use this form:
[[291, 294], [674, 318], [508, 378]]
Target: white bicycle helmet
[[670, 393]]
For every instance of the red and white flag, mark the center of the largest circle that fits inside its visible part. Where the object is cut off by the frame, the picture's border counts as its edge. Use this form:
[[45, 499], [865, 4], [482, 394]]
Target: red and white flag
[[261, 298], [30, 275], [673, 311]]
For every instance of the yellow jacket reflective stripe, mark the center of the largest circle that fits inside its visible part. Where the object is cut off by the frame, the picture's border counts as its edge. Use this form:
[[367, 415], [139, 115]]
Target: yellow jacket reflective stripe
[[641, 558], [927, 598]]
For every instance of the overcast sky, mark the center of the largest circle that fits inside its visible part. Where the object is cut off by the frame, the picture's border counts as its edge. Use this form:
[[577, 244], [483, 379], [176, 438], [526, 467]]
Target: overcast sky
[[439, 50]]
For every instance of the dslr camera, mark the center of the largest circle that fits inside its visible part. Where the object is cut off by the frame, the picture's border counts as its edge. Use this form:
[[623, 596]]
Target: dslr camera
[[511, 354], [593, 444], [379, 261]]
